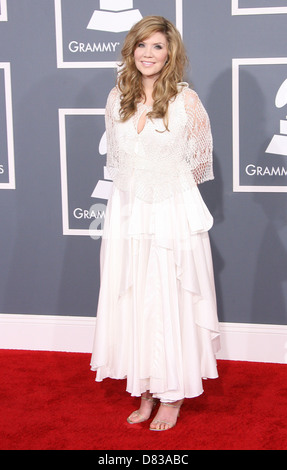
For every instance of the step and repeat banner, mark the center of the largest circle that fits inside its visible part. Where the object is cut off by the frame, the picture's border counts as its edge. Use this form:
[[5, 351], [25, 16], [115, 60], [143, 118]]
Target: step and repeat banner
[[58, 62]]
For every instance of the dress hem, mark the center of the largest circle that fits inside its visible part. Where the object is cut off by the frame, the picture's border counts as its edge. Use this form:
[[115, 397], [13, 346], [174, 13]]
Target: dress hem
[[154, 394]]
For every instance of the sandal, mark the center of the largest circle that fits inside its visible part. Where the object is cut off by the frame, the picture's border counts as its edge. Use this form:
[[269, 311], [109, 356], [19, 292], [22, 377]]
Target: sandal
[[136, 417], [162, 425]]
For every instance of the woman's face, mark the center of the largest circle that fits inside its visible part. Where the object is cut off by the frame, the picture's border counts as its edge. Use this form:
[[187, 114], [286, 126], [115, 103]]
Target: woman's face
[[151, 55]]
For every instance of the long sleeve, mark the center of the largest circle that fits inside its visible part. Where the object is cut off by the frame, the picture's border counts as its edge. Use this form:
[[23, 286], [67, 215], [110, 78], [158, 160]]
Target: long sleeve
[[199, 145], [113, 149]]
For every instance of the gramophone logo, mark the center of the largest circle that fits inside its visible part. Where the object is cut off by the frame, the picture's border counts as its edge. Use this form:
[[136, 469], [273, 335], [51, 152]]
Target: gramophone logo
[[259, 135], [83, 151], [90, 33], [114, 16], [278, 144], [94, 40]]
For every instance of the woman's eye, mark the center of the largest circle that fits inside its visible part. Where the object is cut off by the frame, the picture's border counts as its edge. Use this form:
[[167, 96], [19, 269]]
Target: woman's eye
[[158, 46], [141, 44]]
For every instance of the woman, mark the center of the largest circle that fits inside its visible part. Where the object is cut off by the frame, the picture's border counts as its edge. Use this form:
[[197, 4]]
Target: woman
[[157, 322]]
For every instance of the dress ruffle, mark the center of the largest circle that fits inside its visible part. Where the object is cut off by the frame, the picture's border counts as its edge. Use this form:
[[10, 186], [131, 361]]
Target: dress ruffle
[[157, 319]]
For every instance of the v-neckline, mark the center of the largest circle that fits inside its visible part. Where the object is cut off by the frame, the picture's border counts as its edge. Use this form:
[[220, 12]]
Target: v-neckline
[[143, 110]]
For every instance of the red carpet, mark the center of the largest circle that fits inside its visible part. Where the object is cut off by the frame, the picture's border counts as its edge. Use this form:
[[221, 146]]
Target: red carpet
[[50, 401]]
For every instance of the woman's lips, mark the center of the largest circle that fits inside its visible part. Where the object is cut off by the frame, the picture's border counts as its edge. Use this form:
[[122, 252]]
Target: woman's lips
[[147, 64]]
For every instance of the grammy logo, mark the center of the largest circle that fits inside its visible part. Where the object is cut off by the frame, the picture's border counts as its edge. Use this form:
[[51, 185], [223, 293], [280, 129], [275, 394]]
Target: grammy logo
[[114, 16], [278, 144]]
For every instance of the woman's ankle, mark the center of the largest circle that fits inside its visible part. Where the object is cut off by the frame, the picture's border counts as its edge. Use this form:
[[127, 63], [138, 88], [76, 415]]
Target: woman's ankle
[[146, 395]]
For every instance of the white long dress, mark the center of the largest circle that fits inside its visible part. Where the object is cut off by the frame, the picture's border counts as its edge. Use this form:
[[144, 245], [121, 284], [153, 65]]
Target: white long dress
[[157, 320]]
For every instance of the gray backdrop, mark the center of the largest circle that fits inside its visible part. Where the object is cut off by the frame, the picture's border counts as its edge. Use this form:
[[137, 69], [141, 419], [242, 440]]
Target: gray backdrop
[[52, 134]]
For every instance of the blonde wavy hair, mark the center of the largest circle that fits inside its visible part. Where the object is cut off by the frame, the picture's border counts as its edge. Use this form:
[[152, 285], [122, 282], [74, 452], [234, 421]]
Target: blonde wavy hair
[[166, 86]]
